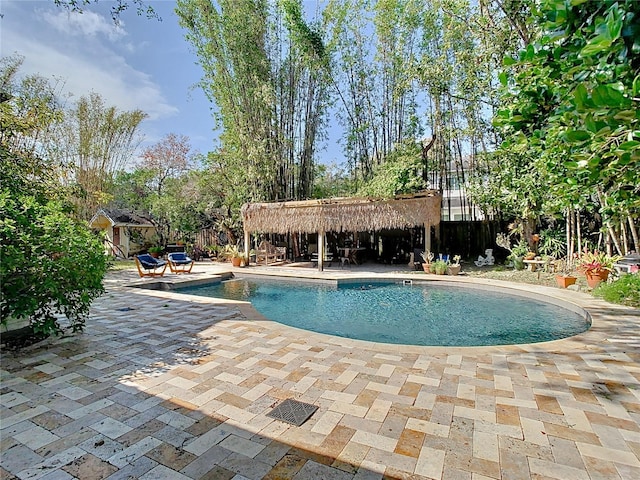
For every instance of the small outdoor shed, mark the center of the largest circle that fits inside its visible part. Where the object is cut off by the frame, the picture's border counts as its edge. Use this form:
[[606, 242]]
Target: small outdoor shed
[[342, 214], [126, 232]]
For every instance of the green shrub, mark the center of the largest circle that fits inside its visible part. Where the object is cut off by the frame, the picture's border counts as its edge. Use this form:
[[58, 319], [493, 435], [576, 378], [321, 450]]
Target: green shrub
[[51, 264], [624, 291]]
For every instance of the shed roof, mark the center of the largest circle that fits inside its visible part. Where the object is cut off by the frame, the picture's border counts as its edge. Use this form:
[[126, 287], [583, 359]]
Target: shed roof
[[343, 214], [119, 217]]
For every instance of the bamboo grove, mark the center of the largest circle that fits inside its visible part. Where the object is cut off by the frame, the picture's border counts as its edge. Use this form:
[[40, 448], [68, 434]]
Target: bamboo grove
[[387, 72], [419, 88]]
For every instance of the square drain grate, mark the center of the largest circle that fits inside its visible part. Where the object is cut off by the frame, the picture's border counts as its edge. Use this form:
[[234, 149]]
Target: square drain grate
[[293, 412]]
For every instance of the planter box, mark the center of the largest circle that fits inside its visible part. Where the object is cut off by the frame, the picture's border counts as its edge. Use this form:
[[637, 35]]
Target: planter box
[[564, 281]]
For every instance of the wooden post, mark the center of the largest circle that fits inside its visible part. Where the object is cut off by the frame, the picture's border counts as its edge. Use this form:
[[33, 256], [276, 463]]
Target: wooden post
[[247, 240], [427, 238], [321, 250]]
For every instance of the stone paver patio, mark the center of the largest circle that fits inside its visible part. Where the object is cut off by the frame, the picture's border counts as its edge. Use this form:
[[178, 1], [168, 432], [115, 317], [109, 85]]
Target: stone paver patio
[[162, 386]]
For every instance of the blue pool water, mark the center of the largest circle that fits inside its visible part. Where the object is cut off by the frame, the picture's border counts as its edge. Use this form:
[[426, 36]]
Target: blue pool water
[[425, 314]]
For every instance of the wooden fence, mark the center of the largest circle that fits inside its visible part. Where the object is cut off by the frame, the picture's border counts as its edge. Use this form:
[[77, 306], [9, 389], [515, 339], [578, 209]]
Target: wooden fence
[[468, 239]]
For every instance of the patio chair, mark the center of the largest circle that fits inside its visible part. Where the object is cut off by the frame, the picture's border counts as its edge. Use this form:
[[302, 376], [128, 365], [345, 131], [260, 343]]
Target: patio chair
[[417, 260], [149, 266], [328, 259], [269, 252], [179, 262]]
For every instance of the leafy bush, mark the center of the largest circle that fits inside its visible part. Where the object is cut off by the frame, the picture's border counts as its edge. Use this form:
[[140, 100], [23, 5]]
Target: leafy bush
[[624, 291], [51, 264], [553, 243]]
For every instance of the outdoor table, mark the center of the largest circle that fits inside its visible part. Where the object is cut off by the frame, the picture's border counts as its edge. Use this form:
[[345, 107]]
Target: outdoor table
[[546, 265]]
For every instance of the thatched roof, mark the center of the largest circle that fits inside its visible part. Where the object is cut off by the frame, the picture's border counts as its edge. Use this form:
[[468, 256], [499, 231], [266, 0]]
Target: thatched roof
[[343, 214]]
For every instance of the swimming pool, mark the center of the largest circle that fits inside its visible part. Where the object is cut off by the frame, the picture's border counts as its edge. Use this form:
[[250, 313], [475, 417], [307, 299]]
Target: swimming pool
[[417, 314]]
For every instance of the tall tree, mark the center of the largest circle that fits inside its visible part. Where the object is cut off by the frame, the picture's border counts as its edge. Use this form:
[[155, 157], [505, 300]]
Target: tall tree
[[51, 262], [169, 158], [95, 141], [373, 47], [269, 101], [572, 100], [164, 166]]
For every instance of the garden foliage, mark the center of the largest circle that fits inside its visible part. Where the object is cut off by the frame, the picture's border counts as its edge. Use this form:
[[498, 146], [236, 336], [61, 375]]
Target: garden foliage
[[571, 104], [624, 291], [51, 264]]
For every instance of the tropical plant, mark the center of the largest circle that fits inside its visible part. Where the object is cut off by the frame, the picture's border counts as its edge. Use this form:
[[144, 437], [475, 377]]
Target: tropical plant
[[456, 260], [401, 173], [439, 267], [95, 141], [427, 256], [264, 67], [571, 105], [594, 262], [232, 251], [552, 243]]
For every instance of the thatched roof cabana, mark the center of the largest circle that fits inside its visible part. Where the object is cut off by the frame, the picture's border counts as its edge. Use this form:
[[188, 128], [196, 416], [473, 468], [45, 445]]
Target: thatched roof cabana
[[342, 214]]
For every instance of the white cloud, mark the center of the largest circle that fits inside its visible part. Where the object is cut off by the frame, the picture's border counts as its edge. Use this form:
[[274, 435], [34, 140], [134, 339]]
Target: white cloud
[[87, 24], [147, 66], [88, 65]]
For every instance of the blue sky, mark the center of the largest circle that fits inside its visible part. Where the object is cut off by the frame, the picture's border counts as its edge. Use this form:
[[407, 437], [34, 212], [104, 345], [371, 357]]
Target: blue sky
[[140, 64]]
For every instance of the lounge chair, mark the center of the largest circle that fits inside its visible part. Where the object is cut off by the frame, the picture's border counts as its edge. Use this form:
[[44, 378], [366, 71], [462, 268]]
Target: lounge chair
[[179, 262], [149, 266]]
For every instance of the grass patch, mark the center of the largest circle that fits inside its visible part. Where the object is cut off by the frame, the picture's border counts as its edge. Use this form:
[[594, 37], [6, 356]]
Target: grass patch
[[118, 265], [624, 291]]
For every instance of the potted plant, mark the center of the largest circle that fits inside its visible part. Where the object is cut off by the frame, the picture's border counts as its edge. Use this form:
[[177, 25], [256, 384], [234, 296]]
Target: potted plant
[[233, 253], [596, 266], [564, 278], [155, 251], [439, 267], [516, 252], [245, 261], [428, 258], [454, 268]]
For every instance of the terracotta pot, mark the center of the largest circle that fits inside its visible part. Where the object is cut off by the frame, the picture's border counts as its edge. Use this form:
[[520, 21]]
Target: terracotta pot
[[453, 270], [594, 278], [564, 281], [235, 261], [426, 267]]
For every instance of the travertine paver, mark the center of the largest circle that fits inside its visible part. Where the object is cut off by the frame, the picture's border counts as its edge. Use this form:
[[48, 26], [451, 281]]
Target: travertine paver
[[167, 386]]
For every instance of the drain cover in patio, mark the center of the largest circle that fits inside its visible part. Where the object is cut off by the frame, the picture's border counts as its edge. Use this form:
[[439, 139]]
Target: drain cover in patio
[[293, 412]]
